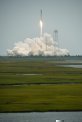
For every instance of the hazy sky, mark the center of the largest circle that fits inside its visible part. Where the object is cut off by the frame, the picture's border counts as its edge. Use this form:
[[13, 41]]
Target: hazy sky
[[19, 19]]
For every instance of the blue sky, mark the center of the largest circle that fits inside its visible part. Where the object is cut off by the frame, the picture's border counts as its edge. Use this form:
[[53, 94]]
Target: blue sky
[[19, 19]]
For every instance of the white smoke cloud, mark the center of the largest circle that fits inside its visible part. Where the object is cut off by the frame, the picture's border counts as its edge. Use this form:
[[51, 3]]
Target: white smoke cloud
[[44, 46]]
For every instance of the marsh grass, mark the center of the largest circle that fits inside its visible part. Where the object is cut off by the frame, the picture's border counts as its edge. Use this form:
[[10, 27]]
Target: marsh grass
[[40, 97], [13, 72]]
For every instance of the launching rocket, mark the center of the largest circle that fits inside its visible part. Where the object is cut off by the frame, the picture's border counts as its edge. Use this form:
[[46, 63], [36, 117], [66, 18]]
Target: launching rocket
[[41, 23], [41, 14]]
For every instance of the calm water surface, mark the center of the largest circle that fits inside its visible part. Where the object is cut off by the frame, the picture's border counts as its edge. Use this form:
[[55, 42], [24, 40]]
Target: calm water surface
[[76, 66], [41, 117]]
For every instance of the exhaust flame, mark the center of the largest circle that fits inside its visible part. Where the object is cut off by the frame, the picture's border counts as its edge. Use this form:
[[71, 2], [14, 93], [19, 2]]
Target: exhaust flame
[[41, 26]]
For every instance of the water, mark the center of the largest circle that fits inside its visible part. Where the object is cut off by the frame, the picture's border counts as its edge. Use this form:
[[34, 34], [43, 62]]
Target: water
[[41, 117], [76, 66]]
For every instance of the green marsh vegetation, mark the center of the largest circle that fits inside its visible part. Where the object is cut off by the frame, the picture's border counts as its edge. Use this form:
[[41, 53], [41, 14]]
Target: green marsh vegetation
[[39, 85]]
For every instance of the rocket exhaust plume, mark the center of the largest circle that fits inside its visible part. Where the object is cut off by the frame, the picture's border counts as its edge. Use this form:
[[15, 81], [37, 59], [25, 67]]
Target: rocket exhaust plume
[[30, 47], [41, 24]]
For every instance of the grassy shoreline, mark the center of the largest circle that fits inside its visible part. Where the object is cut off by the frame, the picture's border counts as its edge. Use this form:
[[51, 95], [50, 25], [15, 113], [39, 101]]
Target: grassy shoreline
[[42, 111]]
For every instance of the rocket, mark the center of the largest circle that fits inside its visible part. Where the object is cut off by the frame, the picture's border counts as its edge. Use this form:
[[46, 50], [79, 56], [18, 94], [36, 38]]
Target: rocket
[[41, 23], [41, 14]]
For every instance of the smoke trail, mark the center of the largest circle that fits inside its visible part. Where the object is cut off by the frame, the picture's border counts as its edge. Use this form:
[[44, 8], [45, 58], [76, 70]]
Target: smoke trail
[[44, 46]]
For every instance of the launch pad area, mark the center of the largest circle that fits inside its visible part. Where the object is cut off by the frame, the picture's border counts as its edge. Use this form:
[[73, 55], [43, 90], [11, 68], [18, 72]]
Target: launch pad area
[[29, 84]]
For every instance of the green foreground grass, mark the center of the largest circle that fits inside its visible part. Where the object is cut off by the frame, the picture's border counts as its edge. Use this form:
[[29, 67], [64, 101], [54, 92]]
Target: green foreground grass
[[41, 98], [35, 97]]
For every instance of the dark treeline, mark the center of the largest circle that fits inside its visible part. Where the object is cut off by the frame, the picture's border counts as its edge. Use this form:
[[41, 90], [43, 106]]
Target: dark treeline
[[56, 58]]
